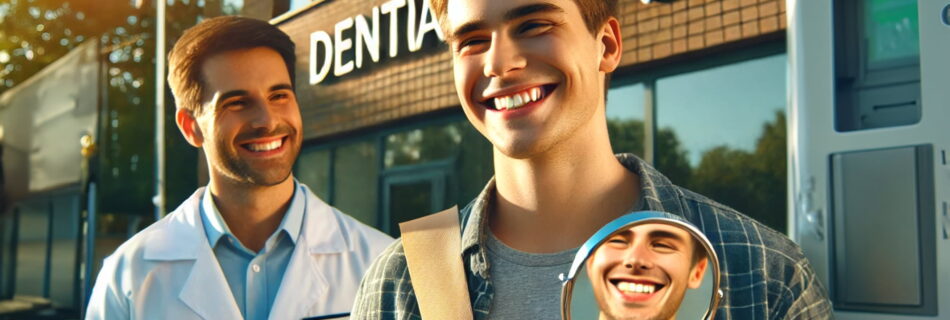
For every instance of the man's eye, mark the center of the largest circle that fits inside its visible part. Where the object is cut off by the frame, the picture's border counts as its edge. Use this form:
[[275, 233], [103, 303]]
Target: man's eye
[[235, 104], [664, 247], [470, 44], [617, 241], [531, 28], [280, 96]]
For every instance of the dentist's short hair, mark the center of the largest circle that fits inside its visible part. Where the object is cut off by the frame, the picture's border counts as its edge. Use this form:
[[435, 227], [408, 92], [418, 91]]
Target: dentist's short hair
[[214, 36]]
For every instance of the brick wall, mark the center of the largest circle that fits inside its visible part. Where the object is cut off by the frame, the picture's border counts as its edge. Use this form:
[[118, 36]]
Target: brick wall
[[394, 88], [658, 31], [421, 82]]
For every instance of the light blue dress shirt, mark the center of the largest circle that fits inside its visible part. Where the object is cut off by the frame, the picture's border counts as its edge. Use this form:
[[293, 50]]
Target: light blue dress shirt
[[254, 278]]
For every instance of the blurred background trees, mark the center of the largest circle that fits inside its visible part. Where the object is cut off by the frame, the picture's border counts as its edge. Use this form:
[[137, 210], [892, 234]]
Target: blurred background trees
[[752, 182]]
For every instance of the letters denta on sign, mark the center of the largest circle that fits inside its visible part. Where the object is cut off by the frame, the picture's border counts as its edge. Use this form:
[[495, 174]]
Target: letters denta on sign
[[367, 38]]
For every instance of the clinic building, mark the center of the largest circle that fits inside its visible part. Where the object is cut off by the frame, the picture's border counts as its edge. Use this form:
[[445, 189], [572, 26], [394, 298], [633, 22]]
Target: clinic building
[[386, 139]]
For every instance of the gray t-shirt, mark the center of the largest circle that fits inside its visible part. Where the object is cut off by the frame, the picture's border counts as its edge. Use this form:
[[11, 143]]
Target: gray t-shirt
[[526, 284]]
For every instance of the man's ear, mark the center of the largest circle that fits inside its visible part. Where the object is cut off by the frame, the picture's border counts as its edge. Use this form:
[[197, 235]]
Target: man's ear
[[696, 275], [611, 45], [188, 126]]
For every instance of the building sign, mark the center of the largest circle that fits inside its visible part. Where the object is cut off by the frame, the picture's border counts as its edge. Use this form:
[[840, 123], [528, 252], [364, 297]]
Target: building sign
[[356, 41]]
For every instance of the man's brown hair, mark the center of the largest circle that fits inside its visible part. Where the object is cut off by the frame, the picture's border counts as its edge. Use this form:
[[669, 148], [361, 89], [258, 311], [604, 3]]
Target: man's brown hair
[[594, 12], [214, 36]]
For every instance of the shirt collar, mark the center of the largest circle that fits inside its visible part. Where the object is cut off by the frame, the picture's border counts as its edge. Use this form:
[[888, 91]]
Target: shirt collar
[[656, 190], [215, 227], [475, 229]]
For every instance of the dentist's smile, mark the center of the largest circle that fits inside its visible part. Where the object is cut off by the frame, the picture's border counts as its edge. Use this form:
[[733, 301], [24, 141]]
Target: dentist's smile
[[264, 147]]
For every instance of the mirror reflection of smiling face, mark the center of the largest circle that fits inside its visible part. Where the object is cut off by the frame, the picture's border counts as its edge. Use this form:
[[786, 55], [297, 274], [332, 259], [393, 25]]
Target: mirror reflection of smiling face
[[644, 271]]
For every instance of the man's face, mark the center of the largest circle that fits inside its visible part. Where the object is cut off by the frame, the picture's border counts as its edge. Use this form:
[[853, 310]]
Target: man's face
[[528, 72], [643, 272], [250, 121]]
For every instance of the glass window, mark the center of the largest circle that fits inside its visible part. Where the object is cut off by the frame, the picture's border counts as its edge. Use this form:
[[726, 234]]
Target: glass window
[[313, 170], [31, 247], [355, 180], [469, 153], [66, 232], [432, 168], [625, 118], [722, 134], [422, 145], [474, 167]]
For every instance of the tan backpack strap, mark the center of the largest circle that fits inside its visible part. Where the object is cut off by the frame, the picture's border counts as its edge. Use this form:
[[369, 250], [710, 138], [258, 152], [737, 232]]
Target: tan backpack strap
[[433, 253]]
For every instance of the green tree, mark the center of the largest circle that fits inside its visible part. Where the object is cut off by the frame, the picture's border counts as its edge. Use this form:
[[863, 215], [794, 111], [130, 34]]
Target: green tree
[[671, 158], [771, 165], [753, 183], [34, 33], [627, 136]]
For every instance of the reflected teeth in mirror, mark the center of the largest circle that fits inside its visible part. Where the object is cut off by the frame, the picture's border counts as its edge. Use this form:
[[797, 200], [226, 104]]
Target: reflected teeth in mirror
[[630, 287], [260, 147], [519, 99]]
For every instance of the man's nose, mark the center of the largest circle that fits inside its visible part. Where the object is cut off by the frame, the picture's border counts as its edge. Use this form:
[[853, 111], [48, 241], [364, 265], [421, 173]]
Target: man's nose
[[264, 116], [638, 257], [503, 56]]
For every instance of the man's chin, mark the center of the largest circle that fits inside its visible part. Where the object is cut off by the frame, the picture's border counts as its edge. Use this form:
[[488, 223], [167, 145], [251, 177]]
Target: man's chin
[[260, 178], [621, 312], [519, 147], [268, 180]]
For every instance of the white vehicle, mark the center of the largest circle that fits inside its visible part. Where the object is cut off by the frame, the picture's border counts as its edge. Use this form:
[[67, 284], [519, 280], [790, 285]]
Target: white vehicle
[[869, 129]]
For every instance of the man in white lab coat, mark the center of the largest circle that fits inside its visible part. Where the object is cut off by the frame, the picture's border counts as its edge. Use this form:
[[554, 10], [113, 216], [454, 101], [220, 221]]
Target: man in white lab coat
[[255, 243]]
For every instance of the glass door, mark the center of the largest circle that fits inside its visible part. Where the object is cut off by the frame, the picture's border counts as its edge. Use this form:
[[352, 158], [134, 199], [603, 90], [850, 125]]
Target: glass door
[[411, 194]]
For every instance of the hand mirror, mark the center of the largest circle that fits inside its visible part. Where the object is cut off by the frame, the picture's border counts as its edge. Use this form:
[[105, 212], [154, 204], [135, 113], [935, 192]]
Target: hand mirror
[[643, 265]]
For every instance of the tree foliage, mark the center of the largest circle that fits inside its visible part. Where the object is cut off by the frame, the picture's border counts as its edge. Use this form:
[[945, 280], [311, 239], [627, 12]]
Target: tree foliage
[[752, 182], [627, 136], [34, 33]]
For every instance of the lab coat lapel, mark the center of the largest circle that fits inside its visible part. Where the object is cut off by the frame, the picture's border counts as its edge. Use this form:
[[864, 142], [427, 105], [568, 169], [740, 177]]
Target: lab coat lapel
[[301, 289], [304, 288], [205, 290]]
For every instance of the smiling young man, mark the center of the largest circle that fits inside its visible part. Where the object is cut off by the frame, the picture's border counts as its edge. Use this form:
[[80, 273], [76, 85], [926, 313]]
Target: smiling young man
[[255, 243], [530, 76], [644, 272]]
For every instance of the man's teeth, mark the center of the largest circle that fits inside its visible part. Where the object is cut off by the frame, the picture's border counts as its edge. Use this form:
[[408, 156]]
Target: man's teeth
[[630, 287], [267, 146], [518, 100]]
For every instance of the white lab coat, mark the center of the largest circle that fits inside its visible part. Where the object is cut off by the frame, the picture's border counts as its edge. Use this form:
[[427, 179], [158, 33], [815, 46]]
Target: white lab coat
[[169, 271]]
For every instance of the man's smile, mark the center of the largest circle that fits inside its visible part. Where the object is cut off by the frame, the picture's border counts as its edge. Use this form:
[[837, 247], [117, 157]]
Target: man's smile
[[635, 290], [265, 146], [516, 98]]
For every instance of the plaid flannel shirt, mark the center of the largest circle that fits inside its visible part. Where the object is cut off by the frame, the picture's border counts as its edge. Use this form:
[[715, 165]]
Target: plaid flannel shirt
[[764, 274]]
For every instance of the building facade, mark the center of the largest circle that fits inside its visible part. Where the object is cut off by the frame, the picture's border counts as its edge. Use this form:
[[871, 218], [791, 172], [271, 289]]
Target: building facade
[[700, 93]]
